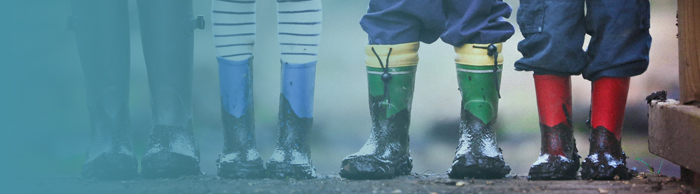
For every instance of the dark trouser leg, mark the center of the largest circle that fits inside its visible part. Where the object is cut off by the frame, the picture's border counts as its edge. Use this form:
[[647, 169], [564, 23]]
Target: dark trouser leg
[[554, 32], [386, 152], [166, 33], [478, 155], [102, 35], [606, 160], [620, 39], [559, 159], [476, 22], [403, 21]]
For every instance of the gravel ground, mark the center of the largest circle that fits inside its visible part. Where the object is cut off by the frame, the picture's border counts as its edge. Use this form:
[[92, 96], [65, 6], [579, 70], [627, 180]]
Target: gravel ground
[[332, 183]]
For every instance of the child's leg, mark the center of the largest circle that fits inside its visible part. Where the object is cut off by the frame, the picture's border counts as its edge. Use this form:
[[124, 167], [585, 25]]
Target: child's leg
[[394, 27], [102, 35], [166, 32], [606, 159], [477, 35], [299, 26], [554, 32], [233, 24], [559, 159], [619, 49]]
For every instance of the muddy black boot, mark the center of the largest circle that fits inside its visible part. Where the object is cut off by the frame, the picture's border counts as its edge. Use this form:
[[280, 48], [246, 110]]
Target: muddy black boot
[[479, 74], [166, 34], [391, 73], [240, 158], [102, 35], [292, 156], [606, 160], [559, 159]]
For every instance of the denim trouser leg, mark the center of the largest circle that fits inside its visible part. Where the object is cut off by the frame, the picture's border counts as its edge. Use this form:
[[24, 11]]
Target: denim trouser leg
[[554, 31], [403, 21], [456, 21], [620, 39], [476, 22]]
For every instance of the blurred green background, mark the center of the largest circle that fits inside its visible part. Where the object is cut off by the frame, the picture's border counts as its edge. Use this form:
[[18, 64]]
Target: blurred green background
[[45, 127]]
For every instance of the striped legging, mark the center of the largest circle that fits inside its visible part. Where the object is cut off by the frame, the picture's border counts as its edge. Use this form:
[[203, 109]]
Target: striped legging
[[298, 21]]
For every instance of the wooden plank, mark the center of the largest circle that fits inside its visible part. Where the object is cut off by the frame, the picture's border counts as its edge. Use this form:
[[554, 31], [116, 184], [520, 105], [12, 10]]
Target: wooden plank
[[689, 50], [674, 133], [689, 74]]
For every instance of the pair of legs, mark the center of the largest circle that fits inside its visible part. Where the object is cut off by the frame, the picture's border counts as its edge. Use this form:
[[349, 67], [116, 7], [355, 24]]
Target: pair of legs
[[619, 49], [102, 35], [395, 27], [299, 25]]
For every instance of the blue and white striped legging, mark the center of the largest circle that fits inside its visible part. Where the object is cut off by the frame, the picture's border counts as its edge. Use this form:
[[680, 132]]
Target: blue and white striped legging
[[298, 23]]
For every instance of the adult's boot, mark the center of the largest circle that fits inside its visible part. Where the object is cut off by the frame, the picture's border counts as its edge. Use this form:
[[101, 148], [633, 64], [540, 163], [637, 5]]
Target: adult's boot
[[166, 33], [240, 158], [391, 73], [102, 36], [606, 160], [479, 69], [559, 159], [292, 155]]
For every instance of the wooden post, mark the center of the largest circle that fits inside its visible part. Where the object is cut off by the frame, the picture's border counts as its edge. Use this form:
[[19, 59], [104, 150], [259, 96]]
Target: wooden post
[[689, 50], [689, 64]]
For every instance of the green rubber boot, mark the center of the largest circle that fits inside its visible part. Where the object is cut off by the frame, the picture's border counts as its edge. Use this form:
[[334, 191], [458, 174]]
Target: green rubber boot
[[386, 152], [478, 155]]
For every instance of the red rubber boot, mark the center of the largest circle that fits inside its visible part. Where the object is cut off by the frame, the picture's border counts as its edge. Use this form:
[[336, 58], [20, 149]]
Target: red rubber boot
[[606, 160], [559, 159]]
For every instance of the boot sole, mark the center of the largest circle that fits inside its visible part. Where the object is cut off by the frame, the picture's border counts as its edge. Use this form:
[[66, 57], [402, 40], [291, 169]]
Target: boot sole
[[372, 168], [480, 167], [277, 170]]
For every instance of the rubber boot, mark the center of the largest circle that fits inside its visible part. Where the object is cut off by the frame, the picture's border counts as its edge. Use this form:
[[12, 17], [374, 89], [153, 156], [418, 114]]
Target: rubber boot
[[240, 158], [559, 159], [292, 155], [166, 33], [102, 36], [391, 73], [606, 160], [478, 155]]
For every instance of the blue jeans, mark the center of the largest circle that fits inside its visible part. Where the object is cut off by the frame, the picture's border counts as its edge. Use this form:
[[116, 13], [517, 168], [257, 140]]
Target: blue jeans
[[457, 22], [554, 32]]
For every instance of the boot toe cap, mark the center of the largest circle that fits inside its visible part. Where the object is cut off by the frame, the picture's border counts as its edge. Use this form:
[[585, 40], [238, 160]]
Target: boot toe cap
[[281, 170], [166, 164], [469, 166], [111, 166]]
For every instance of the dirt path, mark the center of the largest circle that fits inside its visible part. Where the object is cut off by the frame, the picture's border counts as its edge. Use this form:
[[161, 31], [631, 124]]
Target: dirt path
[[416, 183]]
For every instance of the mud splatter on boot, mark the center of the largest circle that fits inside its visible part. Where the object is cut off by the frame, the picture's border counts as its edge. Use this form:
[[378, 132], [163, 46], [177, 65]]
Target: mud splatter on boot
[[171, 152], [477, 155], [391, 83], [606, 159], [110, 157], [386, 152], [240, 158], [105, 65], [292, 156], [559, 159]]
